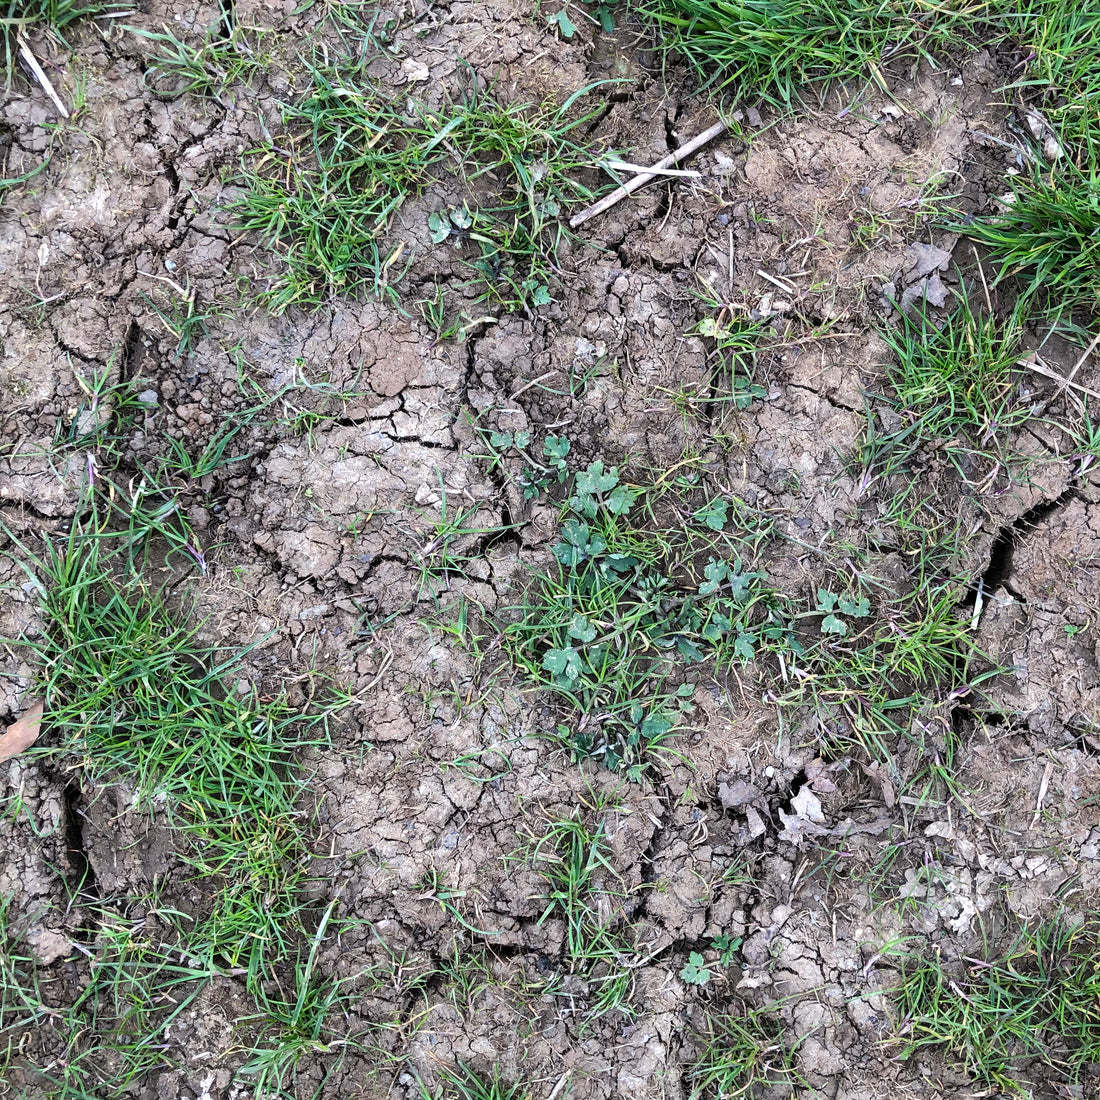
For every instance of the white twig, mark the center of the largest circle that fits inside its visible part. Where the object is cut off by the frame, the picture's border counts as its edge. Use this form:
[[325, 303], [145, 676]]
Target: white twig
[[32, 63], [1048, 771], [1039, 367], [626, 166], [555, 1092], [643, 178], [785, 287], [1084, 355]]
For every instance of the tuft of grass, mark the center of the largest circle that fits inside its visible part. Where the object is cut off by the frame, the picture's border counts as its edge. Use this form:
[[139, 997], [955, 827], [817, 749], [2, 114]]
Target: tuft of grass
[[954, 392], [326, 199], [114, 1033], [1034, 1005], [1059, 45], [573, 858], [326, 194], [772, 49], [229, 55], [297, 1021], [775, 49], [1048, 235], [866, 686], [18, 16], [21, 1002], [742, 1053], [461, 1083], [958, 376], [134, 699]]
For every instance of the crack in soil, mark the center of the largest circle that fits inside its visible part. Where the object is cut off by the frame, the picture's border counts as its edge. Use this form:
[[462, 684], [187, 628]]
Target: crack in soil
[[81, 884], [824, 397], [995, 575]]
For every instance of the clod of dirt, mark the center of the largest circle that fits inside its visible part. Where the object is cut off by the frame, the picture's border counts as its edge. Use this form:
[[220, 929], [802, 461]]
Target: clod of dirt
[[922, 278]]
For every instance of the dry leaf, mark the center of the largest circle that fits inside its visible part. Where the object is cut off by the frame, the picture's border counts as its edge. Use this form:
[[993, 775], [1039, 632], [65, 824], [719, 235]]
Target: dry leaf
[[806, 804], [807, 819], [22, 733], [924, 259], [737, 794], [931, 289], [754, 826], [1044, 133], [818, 778], [881, 777], [415, 71]]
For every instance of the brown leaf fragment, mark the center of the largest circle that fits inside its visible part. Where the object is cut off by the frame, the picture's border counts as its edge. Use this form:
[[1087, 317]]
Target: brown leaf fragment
[[737, 794], [881, 777], [817, 775], [22, 733]]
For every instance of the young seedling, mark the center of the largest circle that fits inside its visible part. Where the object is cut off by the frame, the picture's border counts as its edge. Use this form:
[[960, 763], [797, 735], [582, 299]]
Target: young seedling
[[694, 971]]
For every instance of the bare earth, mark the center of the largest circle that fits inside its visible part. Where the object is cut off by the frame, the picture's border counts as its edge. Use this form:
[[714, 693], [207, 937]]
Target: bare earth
[[318, 533]]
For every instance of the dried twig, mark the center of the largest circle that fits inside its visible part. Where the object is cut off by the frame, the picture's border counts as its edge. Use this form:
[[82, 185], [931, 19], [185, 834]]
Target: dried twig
[[643, 178], [32, 63], [785, 287], [1084, 355], [626, 166], [1034, 363], [1048, 771]]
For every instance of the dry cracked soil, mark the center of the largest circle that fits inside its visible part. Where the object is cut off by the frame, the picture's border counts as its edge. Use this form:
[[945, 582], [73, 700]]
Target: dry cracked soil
[[315, 537]]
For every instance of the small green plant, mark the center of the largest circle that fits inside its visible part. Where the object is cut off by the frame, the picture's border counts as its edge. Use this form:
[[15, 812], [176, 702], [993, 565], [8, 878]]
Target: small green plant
[[455, 541], [325, 193], [742, 1052], [434, 312], [732, 378], [714, 514], [835, 607], [1034, 1005], [1085, 438], [629, 607], [573, 858], [537, 476], [565, 26], [694, 971], [727, 947], [211, 458], [182, 319]]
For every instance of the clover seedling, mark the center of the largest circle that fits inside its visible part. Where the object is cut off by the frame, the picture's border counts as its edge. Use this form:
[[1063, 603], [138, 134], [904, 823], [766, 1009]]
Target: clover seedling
[[834, 606], [726, 946], [694, 972]]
